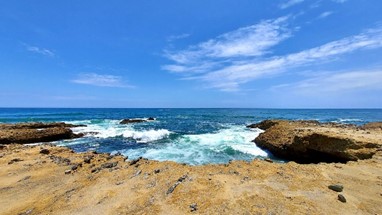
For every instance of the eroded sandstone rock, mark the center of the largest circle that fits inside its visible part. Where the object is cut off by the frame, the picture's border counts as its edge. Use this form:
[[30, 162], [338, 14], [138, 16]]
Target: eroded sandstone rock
[[314, 142]]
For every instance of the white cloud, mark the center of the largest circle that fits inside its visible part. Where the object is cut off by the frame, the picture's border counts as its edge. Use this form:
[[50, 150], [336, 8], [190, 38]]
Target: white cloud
[[100, 80], [290, 3], [39, 50], [250, 41], [338, 82], [228, 73], [325, 14]]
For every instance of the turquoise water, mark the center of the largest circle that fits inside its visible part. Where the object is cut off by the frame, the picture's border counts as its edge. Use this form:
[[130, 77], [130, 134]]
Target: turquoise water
[[193, 136]]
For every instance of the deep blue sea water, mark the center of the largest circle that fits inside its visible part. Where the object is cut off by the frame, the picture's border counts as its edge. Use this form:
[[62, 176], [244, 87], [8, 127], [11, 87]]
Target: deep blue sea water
[[193, 136]]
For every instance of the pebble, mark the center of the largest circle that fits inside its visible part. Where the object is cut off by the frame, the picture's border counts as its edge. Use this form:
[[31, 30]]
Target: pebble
[[109, 165], [341, 198], [44, 151], [156, 171], [68, 171], [15, 160], [336, 187], [268, 160], [194, 207], [135, 161]]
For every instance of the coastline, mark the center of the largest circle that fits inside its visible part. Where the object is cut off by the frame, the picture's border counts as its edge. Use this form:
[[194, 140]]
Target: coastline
[[46, 179]]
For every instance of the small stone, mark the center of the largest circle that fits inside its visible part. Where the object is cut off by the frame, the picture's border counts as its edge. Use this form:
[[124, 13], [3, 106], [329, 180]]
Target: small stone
[[157, 171], [135, 161], [15, 160], [87, 160], [2, 146], [75, 166], [95, 170], [341, 198], [336, 187], [268, 160], [138, 173], [26, 212], [68, 171], [44, 151], [194, 207], [109, 165]]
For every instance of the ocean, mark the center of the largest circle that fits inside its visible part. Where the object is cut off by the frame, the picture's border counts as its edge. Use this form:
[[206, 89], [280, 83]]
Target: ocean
[[192, 136]]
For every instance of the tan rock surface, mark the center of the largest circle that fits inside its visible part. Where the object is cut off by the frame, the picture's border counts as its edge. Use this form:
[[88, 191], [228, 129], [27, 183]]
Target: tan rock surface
[[35, 132], [38, 184], [311, 141]]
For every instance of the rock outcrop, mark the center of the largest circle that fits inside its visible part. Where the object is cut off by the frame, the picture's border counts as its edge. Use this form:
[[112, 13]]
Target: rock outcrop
[[137, 120], [36, 132], [314, 142]]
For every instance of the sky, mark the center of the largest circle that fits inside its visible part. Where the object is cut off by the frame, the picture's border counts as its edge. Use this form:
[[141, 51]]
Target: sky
[[191, 53]]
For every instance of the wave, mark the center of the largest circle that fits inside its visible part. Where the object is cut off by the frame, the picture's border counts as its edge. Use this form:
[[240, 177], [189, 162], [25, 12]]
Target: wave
[[220, 147], [112, 128]]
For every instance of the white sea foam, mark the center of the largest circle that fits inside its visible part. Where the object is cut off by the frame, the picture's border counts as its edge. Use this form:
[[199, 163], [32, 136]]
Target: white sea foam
[[112, 128], [146, 136], [218, 147]]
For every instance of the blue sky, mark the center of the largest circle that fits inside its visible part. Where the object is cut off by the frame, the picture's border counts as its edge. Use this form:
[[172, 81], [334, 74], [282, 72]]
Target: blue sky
[[191, 53]]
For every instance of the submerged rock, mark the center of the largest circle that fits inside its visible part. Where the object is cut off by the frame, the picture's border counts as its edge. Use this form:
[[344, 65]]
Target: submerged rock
[[313, 142], [137, 120]]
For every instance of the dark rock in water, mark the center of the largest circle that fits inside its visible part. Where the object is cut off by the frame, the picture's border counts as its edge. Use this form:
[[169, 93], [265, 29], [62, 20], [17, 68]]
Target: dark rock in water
[[138, 120], [135, 161], [341, 198], [336, 187], [109, 165], [15, 160], [194, 207], [44, 151], [264, 125], [128, 121]]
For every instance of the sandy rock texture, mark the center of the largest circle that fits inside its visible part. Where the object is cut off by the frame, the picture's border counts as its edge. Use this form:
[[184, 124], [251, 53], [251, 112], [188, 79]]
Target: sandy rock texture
[[46, 179], [63, 182], [313, 142], [36, 132]]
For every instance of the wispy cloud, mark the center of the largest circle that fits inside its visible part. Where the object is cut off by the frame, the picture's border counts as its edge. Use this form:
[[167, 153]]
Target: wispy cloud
[[250, 41], [337, 82], [228, 69], [325, 14], [177, 37], [290, 3], [39, 50], [101, 80]]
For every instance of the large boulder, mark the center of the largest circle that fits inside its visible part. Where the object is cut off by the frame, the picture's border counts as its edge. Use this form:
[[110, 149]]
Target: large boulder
[[313, 142], [35, 132]]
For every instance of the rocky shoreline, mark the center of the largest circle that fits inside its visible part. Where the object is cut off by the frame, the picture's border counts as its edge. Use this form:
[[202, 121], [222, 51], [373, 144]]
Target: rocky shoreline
[[46, 179]]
